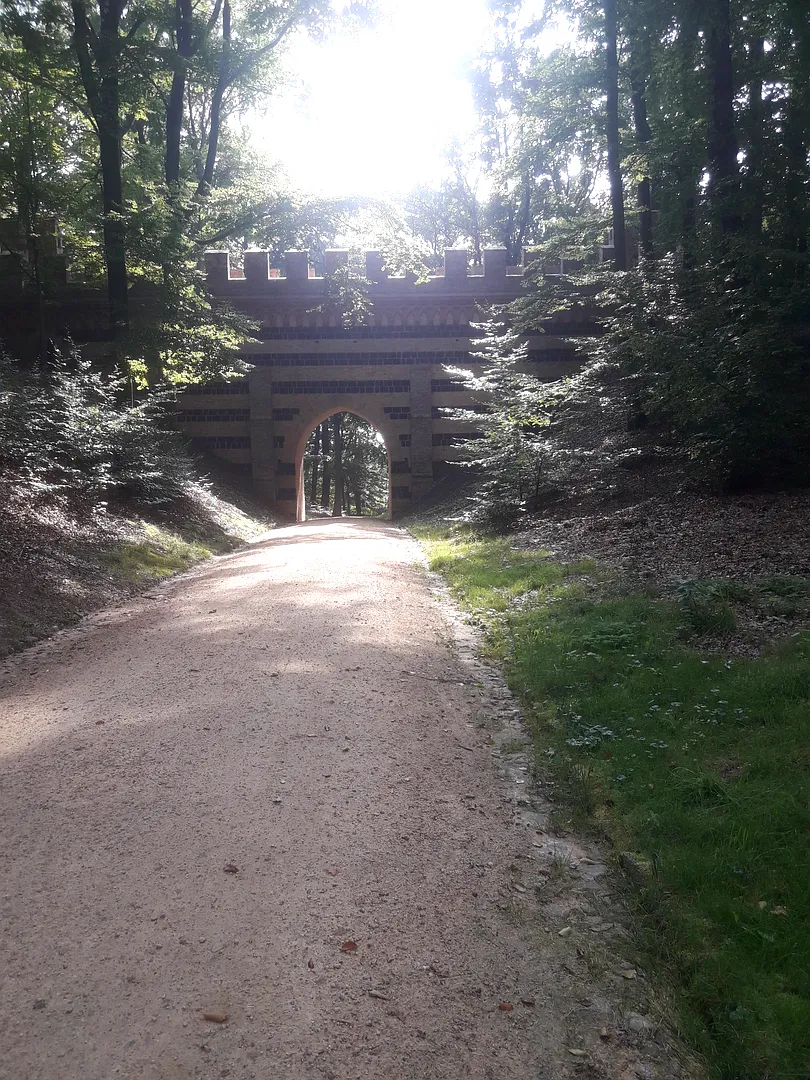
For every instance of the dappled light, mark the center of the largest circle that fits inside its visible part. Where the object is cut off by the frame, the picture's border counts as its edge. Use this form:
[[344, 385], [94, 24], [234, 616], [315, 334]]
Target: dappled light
[[531, 277]]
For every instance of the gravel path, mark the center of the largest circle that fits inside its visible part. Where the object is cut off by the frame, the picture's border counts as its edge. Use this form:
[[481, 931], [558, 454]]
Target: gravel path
[[230, 798], [251, 827]]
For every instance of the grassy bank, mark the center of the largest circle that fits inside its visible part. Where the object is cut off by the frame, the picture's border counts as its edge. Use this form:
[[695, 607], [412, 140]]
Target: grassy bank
[[60, 560], [693, 766], [156, 553]]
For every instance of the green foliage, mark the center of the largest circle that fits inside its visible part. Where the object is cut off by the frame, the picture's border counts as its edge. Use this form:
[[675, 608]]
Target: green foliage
[[68, 433], [696, 763], [363, 462], [346, 296], [512, 414], [719, 353], [365, 466], [166, 85], [705, 609], [706, 342]]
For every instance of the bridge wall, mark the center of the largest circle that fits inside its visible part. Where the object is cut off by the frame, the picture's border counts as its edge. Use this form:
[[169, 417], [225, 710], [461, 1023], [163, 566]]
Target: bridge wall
[[390, 371]]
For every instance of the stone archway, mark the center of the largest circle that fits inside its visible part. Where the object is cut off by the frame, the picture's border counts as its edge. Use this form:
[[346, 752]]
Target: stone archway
[[306, 429]]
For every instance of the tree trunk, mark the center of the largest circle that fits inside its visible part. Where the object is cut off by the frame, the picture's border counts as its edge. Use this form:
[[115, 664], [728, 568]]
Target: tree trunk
[[29, 215], [724, 169], [756, 134], [515, 244], [796, 175], [337, 464], [207, 179], [174, 107], [115, 232], [313, 480], [478, 258], [326, 450], [643, 136], [98, 67], [612, 129], [686, 167]]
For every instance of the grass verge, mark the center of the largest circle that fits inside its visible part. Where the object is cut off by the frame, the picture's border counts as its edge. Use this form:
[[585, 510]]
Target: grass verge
[[694, 766], [158, 554]]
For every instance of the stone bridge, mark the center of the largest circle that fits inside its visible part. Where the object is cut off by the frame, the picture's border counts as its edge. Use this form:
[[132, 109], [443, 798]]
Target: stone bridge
[[389, 371]]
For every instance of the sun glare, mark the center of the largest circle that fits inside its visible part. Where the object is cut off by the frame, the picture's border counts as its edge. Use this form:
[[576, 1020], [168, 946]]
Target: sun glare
[[371, 112]]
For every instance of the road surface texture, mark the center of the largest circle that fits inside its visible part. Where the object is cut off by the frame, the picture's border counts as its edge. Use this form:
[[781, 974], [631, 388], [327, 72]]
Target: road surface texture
[[261, 795]]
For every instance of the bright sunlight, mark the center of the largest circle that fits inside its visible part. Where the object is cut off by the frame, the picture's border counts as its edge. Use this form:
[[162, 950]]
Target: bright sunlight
[[370, 112]]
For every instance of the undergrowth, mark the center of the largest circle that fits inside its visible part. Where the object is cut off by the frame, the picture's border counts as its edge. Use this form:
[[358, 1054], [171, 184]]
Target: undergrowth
[[694, 766]]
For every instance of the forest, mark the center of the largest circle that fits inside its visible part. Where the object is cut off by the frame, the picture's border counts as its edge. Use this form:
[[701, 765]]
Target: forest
[[648, 163], [674, 130]]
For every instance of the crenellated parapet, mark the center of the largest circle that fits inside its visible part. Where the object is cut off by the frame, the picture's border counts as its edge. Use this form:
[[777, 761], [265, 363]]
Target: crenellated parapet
[[493, 281]]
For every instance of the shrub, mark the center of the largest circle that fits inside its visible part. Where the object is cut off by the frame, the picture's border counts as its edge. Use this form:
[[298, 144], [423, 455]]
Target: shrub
[[705, 606], [68, 431]]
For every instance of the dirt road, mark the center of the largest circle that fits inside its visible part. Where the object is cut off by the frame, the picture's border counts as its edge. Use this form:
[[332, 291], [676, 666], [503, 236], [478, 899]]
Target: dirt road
[[261, 794]]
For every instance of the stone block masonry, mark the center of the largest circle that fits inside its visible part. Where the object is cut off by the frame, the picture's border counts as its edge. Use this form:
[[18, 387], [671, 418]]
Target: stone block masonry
[[391, 369]]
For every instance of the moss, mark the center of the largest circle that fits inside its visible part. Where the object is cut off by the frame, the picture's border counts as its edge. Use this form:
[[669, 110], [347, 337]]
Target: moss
[[159, 554]]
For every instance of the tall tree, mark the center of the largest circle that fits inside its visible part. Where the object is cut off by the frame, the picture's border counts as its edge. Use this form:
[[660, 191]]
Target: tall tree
[[723, 145], [101, 41], [337, 464], [614, 157], [326, 483], [639, 77], [315, 465]]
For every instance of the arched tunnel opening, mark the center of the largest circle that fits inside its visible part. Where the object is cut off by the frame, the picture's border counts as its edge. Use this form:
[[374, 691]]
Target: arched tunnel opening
[[346, 469]]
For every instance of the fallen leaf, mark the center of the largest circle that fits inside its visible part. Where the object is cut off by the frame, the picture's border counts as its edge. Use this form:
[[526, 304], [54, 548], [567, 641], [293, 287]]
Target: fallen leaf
[[506, 1006], [628, 973], [576, 1053], [349, 946], [231, 868], [216, 1016], [762, 905], [332, 871]]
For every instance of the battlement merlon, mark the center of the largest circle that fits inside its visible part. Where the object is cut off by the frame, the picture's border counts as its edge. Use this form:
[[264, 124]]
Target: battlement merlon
[[497, 282]]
